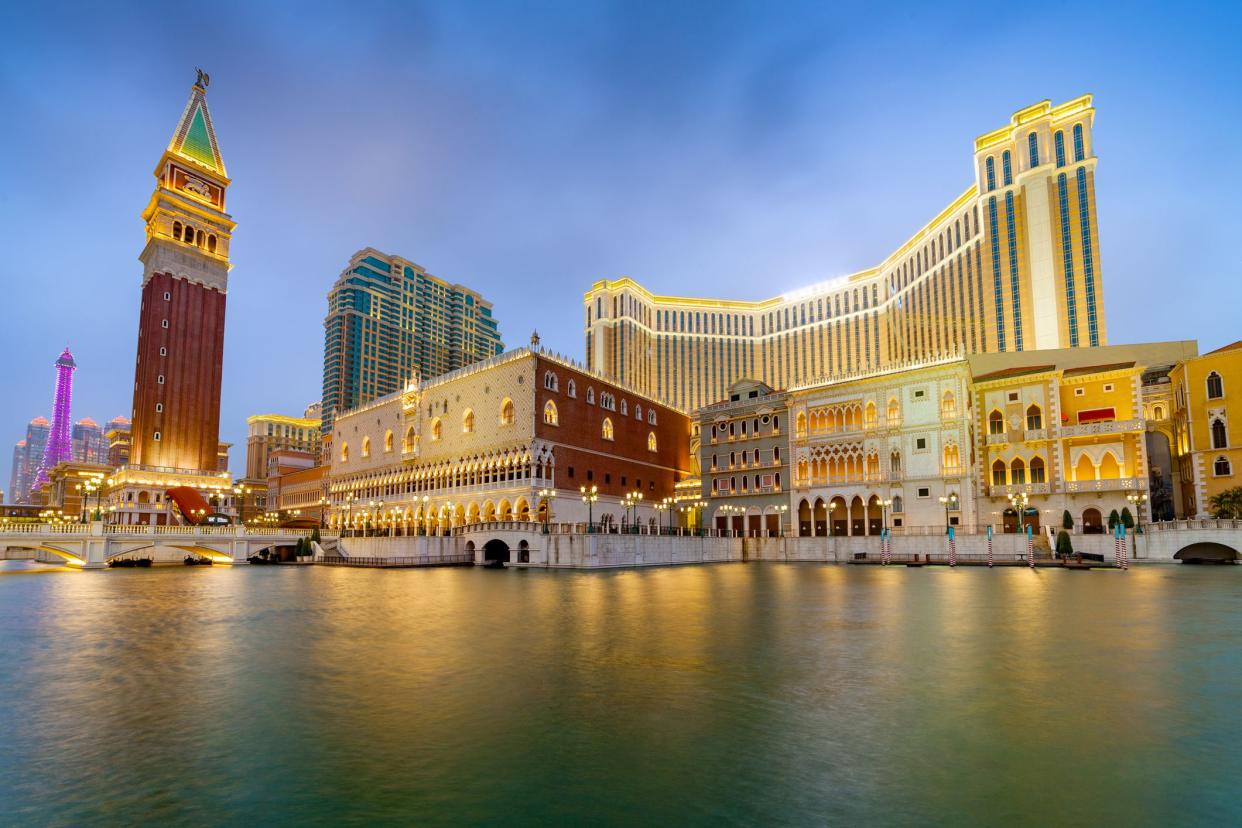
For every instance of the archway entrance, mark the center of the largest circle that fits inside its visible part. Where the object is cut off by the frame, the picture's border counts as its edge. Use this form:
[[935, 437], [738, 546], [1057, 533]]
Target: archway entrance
[[496, 552], [1207, 553], [1011, 520], [1092, 522]]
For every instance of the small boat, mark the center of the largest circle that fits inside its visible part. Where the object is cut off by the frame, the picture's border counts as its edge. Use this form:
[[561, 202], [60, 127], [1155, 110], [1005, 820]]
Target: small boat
[[494, 564], [144, 562], [120, 563], [191, 560]]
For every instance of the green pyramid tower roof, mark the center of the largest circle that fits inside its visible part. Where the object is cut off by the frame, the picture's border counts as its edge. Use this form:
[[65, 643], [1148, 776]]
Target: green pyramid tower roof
[[195, 137]]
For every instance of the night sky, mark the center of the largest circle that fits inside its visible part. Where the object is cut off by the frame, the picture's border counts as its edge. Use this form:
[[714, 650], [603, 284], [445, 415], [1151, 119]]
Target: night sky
[[527, 149]]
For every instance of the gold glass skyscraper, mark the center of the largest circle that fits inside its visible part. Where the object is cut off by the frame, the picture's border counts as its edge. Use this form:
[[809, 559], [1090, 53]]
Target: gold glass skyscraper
[[1011, 264]]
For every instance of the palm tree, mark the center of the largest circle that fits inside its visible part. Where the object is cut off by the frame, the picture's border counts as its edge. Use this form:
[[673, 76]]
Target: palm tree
[[1227, 504]]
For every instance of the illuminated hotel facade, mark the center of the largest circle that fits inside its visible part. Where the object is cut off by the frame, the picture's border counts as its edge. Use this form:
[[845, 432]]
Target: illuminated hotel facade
[[389, 320], [1012, 264]]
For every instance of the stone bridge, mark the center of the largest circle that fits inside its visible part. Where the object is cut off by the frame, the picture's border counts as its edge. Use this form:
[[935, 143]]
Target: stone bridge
[[92, 545]]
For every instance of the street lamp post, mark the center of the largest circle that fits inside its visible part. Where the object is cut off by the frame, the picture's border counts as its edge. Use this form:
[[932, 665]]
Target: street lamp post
[[949, 503], [589, 496], [884, 507], [424, 519], [780, 522], [1137, 499], [1019, 501], [545, 503]]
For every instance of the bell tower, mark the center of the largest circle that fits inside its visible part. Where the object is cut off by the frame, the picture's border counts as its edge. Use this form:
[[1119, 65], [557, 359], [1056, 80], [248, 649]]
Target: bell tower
[[176, 417]]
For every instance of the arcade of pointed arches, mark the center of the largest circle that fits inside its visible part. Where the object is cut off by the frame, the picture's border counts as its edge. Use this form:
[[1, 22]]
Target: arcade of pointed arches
[[356, 500]]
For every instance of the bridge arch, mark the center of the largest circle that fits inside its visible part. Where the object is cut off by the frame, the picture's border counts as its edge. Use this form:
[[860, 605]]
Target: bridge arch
[[35, 548], [496, 550], [1207, 552]]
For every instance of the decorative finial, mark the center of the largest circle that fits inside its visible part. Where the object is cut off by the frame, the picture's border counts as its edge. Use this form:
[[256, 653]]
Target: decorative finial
[[202, 80], [534, 339]]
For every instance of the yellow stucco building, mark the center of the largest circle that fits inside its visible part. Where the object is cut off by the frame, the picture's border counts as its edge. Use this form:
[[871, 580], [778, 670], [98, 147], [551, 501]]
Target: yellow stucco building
[[1067, 430], [1207, 456]]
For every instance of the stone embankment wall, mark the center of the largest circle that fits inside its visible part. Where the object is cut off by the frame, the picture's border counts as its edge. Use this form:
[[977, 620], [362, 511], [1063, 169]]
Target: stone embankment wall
[[578, 551]]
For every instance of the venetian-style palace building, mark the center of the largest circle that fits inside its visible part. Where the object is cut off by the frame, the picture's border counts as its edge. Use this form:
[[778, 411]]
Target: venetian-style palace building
[[176, 417], [1011, 264]]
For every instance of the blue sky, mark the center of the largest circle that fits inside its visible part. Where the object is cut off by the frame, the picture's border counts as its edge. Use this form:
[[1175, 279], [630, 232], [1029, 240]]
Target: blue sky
[[528, 149]]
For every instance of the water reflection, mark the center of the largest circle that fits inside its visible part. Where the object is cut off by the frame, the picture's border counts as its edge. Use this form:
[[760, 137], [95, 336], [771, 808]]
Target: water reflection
[[693, 695]]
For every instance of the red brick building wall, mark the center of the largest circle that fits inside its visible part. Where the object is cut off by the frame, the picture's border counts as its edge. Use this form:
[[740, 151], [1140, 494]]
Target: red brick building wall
[[189, 424], [616, 466]]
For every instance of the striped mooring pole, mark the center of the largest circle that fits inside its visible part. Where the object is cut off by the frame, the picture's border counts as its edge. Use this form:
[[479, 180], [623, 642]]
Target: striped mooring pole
[[952, 548], [1030, 547], [989, 547], [886, 548], [1117, 547], [1125, 549]]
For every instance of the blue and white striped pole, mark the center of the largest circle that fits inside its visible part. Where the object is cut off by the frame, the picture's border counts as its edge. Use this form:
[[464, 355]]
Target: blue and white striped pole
[[989, 546], [1030, 547]]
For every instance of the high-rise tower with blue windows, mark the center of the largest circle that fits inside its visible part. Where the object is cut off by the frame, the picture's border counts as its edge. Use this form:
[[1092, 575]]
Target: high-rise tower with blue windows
[[389, 321]]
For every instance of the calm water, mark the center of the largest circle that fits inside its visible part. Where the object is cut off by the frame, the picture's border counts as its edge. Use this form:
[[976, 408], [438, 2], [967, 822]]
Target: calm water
[[731, 694]]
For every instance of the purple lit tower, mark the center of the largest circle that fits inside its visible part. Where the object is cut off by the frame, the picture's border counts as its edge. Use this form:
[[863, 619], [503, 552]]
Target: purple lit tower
[[60, 438]]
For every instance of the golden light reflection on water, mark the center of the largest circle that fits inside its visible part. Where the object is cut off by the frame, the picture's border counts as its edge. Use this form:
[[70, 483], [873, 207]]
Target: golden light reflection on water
[[758, 693]]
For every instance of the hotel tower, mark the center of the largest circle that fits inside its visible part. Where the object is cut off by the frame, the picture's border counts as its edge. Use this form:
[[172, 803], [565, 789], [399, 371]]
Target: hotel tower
[[176, 418], [1012, 264]]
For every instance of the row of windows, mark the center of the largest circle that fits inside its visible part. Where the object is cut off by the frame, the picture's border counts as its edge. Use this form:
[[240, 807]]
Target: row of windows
[[607, 400], [738, 427], [752, 457], [1034, 420], [198, 238], [1033, 156], [1018, 471]]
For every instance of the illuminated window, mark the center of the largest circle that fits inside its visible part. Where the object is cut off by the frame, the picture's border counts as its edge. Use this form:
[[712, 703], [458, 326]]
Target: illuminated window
[[549, 413], [387, 441], [651, 441], [506, 412], [467, 422], [437, 429], [344, 452], [607, 428], [366, 446]]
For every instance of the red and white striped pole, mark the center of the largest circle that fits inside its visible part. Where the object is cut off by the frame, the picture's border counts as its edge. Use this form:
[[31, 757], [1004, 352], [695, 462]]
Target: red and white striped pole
[[952, 548], [989, 547], [1125, 550]]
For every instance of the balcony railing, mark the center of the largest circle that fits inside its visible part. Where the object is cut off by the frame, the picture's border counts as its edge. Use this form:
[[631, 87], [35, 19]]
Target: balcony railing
[[1035, 434], [1019, 488], [1106, 427], [1114, 484], [998, 439]]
